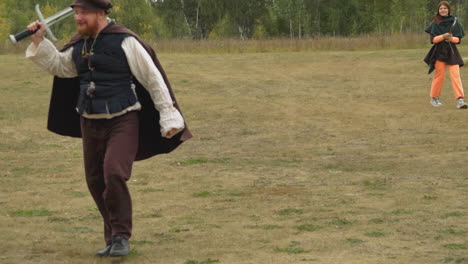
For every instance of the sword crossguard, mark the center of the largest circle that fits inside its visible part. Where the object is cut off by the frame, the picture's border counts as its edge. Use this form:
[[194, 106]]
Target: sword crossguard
[[47, 28]]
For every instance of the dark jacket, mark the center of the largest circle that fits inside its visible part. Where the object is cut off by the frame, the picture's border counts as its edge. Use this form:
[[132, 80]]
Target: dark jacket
[[111, 76], [64, 120], [444, 51]]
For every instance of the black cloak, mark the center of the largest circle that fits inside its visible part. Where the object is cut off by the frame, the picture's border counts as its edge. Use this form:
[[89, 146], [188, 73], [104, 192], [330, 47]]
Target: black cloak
[[64, 120], [444, 51]]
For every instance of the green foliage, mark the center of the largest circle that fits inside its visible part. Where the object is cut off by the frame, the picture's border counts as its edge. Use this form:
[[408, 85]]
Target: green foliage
[[4, 26], [244, 19], [223, 29]]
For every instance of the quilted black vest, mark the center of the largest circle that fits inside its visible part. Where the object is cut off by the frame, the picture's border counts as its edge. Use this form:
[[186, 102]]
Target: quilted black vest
[[108, 87]]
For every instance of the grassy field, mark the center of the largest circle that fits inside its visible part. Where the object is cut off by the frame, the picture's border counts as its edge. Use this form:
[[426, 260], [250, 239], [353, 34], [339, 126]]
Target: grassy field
[[306, 157]]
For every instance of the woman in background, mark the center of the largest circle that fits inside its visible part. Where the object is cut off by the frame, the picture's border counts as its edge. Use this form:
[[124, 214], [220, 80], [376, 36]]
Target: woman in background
[[445, 33]]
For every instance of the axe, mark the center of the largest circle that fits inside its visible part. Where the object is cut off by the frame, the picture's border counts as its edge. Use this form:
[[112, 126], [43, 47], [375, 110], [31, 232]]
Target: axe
[[46, 22]]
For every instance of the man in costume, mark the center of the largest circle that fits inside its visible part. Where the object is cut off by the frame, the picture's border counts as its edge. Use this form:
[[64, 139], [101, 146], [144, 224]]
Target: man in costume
[[110, 90]]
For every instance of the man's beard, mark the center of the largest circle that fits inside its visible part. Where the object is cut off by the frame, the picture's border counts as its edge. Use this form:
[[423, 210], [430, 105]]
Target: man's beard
[[88, 30]]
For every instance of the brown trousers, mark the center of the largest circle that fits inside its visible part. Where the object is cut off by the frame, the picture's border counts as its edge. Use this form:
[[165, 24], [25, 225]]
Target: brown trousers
[[109, 147]]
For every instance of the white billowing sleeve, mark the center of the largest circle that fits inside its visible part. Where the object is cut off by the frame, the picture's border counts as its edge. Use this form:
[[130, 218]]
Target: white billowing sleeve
[[47, 57], [144, 70]]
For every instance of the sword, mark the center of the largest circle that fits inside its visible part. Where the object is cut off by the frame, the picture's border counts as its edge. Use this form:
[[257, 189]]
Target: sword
[[450, 31], [46, 22], [454, 23]]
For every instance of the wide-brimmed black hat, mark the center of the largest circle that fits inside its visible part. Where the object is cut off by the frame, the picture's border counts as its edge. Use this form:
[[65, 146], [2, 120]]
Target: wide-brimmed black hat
[[94, 5]]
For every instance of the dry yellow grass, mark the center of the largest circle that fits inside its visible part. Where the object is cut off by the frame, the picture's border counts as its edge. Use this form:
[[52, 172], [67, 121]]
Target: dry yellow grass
[[319, 43], [304, 157]]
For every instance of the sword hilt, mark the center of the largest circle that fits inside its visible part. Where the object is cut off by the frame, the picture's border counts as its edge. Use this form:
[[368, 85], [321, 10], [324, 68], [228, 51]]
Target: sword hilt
[[45, 22], [24, 34]]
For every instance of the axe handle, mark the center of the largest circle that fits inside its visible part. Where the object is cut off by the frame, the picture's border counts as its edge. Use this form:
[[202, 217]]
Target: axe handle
[[26, 33]]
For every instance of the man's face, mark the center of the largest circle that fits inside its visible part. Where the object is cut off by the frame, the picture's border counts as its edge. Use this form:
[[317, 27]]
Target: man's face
[[86, 21]]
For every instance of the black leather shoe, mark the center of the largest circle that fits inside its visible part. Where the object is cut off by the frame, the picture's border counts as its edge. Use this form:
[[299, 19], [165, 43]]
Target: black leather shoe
[[120, 247], [105, 252]]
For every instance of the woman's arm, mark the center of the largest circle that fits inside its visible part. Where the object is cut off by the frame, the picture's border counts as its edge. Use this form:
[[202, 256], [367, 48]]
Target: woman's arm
[[437, 39]]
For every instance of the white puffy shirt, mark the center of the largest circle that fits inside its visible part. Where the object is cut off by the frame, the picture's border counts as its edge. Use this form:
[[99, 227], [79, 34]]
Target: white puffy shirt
[[61, 64]]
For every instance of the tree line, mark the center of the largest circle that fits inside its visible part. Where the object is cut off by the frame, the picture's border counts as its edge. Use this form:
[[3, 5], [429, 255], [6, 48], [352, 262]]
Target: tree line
[[245, 19]]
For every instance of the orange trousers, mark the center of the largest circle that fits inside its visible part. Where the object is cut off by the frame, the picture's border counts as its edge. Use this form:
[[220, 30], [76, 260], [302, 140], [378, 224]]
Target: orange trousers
[[439, 77]]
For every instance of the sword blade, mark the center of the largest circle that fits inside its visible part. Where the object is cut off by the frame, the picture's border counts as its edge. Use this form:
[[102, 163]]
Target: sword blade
[[59, 16], [454, 23]]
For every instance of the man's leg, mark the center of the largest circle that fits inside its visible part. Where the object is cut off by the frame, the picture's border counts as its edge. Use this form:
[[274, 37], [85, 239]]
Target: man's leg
[[121, 149], [94, 146]]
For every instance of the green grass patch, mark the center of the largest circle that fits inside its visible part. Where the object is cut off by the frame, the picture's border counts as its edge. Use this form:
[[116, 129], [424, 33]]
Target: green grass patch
[[134, 253], [376, 234], [401, 212], [207, 138], [207, 261], [340, 222], [292, 250], [290, 211], [377, 184], [309, 260], [30, 213], [74, 229], [287, 162], [202, 160], [55, 219], [308, 228], [142, 242], [18, 172], [455, 260], [355, 240], [193, 161], [456, 246], [139, 183], [376, 221], [148, 190], [89, 217], [77, 194], [451, 231], [454, 214], [220, 160], [263, 227], [178, 230], [236, 193], [429, 197], [203, 194], [246, 132]]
